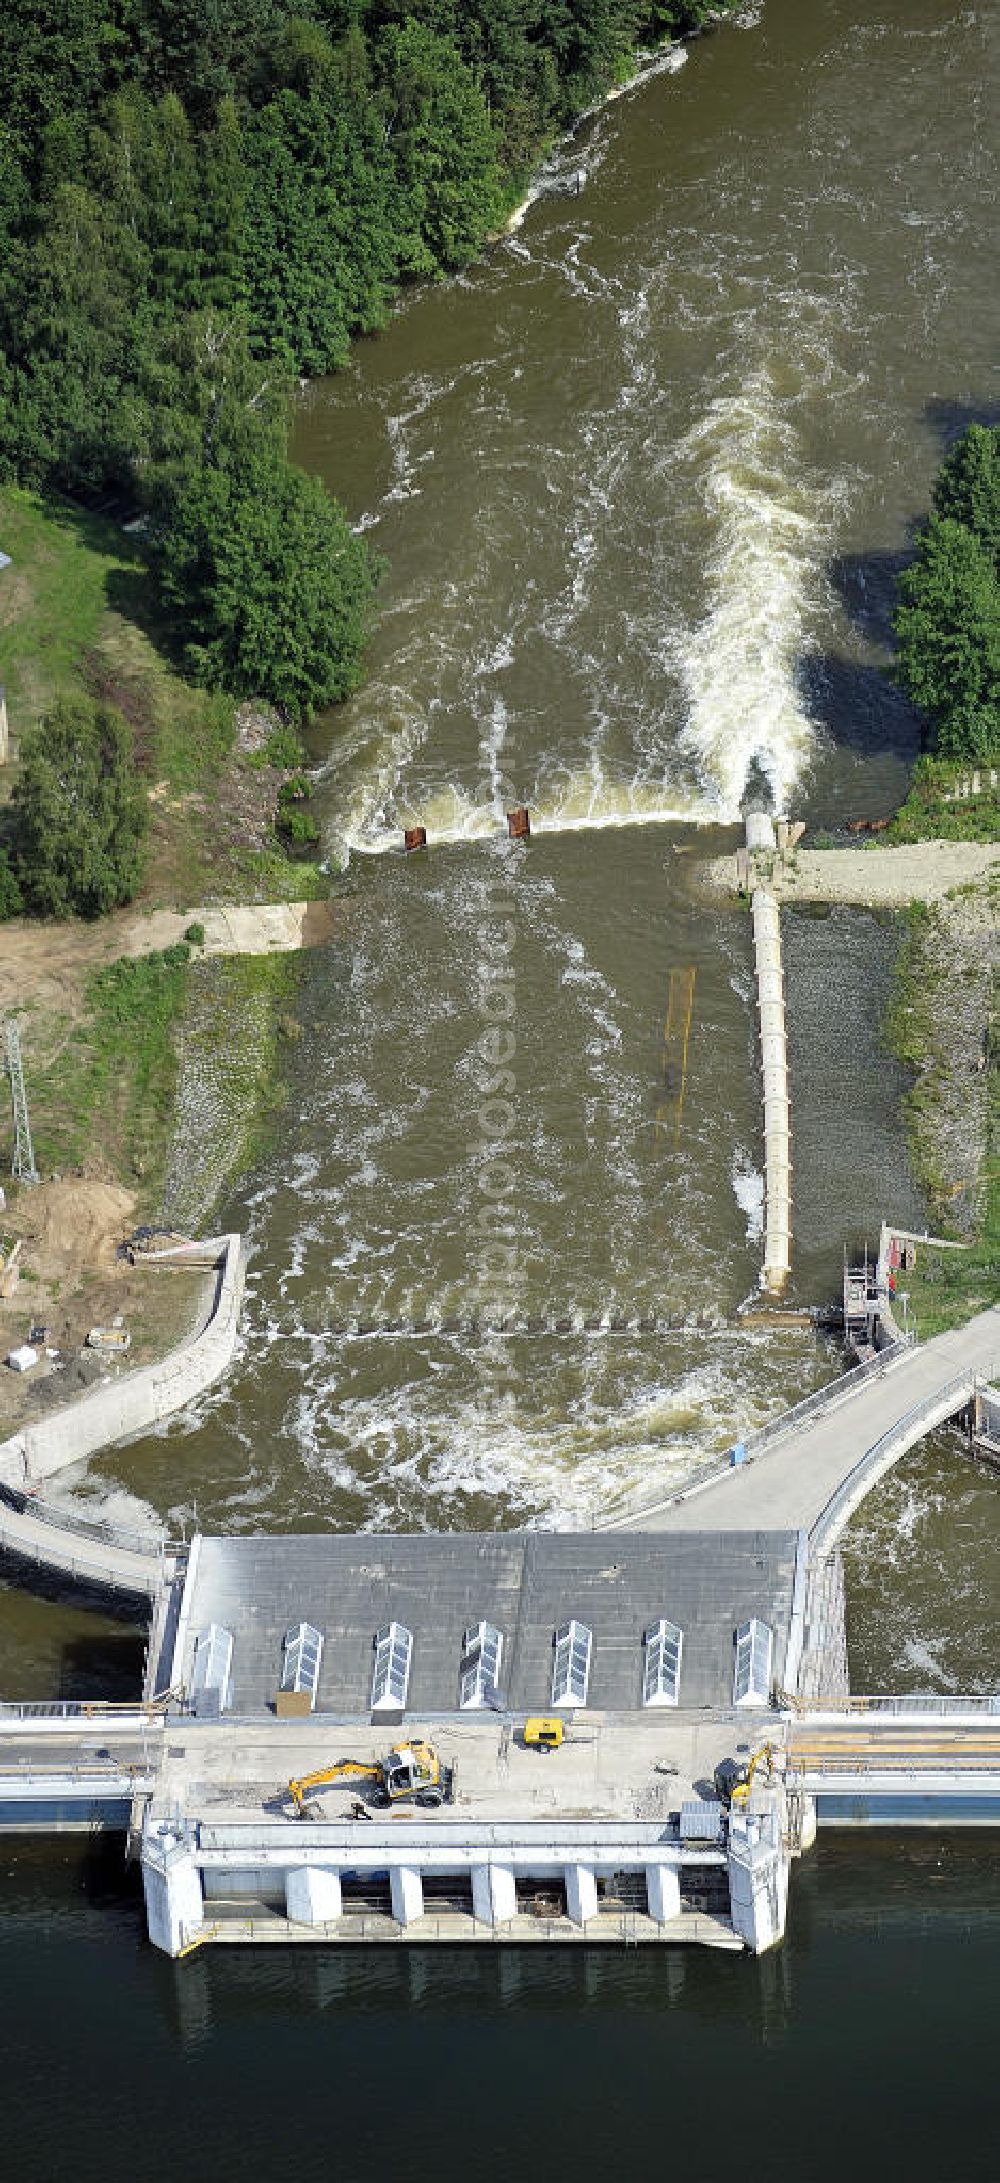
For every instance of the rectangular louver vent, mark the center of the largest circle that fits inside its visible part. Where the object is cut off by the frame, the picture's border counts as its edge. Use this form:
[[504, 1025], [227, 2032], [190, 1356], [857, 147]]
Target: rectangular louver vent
[[661, 1679], [303, 1653], [479, 1678], [212, 1671]]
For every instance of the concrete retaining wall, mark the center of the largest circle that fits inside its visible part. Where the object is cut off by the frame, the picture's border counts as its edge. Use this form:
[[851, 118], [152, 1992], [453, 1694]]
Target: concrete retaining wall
[[774, 1063], [138, 1400]]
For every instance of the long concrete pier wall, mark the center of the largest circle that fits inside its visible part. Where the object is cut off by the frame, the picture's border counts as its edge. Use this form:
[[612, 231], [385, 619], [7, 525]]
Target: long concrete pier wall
[[774, 1064], [137, 1400]]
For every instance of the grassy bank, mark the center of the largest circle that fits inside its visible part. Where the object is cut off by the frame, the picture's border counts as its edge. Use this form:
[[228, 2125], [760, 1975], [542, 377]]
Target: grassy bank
[[943, 1022], [943, 804], [101, 1087], [76, 614], [110, 1092]]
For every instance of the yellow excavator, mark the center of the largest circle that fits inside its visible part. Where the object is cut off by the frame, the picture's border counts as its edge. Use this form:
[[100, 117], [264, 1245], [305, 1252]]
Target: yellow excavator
[[409, 1772], [734, 1780]]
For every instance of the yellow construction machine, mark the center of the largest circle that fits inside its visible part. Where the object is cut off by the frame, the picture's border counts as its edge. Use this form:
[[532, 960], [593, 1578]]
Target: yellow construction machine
[[409, 1772], [542, 1733], [734, 1779]]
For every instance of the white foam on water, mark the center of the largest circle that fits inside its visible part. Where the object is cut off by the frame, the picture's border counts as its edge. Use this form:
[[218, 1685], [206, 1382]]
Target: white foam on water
[[923, 1654], [581, 803], [748, 1190], [579, 1462], [739, 665], [560, 170]]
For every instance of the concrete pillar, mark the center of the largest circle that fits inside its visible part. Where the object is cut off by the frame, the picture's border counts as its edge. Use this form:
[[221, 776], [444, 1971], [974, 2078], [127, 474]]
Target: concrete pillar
[[758, 1881], [494, 1895], [407, 1894], [663, 1893], [312, 1896], [759, 830], [171, 1880], [581, 1893], [807, 1822]]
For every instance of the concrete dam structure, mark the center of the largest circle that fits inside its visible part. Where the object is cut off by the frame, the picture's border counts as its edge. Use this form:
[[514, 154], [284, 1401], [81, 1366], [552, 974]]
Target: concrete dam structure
[[707, 1634], [622, 1736]]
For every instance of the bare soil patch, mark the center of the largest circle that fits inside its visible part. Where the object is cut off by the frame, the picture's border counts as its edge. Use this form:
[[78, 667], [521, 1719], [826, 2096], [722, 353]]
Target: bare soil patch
[[72, 1280]]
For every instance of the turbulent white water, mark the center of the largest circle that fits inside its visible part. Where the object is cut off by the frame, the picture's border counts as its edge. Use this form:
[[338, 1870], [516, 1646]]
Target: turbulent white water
[[740, 663], [651, 670], [640, 478]]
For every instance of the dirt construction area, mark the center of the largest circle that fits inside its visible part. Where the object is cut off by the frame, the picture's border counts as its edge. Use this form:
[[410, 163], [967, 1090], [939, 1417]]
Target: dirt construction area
[[69, 1279], [45, 963]]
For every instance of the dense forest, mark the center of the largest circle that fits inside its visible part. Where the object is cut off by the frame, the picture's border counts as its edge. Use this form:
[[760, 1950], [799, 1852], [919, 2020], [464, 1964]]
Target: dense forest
[[201, 200], [947, 620]]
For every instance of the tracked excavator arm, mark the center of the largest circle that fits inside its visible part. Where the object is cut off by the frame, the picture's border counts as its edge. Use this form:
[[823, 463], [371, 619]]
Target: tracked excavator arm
[[344, 1770]]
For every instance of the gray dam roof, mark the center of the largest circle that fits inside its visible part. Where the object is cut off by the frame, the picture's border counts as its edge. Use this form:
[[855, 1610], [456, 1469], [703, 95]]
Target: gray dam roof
[[526, 1583]]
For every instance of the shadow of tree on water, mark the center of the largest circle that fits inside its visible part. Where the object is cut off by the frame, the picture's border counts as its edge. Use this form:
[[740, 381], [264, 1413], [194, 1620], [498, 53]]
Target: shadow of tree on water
[[858, 706]]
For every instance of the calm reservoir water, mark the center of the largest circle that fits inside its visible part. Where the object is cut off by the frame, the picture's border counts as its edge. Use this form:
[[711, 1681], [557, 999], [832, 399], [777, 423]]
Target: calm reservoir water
[[642, 479]]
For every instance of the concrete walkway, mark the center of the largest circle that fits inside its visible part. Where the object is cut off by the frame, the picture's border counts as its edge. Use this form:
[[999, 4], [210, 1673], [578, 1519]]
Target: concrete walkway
[[87, 1560], [816, 1474], [264, 928], [123, 1406]]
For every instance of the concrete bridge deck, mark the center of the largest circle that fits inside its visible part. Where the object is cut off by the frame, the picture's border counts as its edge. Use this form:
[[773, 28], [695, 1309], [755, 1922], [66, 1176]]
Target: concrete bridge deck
[[117, 1564], [813, 1475]]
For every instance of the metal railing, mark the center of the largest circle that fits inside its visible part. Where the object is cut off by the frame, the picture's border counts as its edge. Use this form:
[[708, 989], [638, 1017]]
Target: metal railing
[[118, 1776], [917, 1705], [828, 1397], [97, 1528], [90, 1571], [260, 1924], [108, 1710], [923, 1416]]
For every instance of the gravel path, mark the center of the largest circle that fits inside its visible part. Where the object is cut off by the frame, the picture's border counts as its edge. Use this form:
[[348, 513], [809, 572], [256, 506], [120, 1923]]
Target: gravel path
[[923, 871]]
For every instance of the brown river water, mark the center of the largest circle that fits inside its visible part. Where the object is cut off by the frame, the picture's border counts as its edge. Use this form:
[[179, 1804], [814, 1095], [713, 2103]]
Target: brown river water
[[641, 478]]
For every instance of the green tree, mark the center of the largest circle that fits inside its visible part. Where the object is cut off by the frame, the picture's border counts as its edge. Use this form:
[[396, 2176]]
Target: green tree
[[968, 486], [947, 627], [81, 815], [445, 152], [320, 261], [270, 586], [78, 344], [11, 898]]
